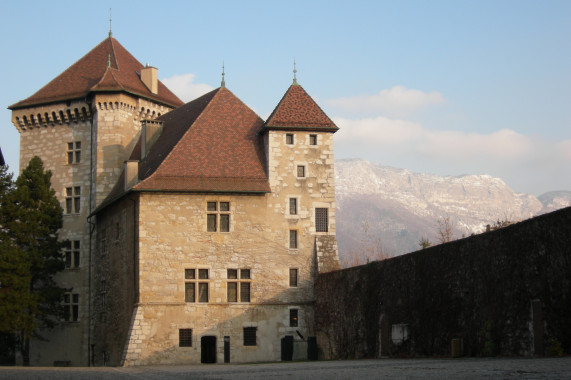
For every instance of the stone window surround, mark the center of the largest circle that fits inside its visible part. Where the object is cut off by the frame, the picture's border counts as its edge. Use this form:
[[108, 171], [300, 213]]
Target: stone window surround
[[311, 137], [70, 307], [305, 170], [218, 216], [72, 254], [293, 240], [197, 281], [73, 156], [72, 205], [288, 213], [329, 207], [290, 139], [293, 277], [241, 278]]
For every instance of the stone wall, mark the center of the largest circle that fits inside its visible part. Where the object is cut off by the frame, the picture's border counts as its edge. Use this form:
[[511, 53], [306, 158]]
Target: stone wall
[[505, 292]]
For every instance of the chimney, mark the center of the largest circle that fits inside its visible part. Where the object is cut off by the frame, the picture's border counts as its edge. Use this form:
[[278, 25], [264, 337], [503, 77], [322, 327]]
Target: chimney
[[150, 132], [131, 174], [149, 78]]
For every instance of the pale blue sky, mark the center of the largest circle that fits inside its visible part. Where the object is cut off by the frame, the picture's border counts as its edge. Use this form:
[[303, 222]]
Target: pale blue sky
[[446, 87]]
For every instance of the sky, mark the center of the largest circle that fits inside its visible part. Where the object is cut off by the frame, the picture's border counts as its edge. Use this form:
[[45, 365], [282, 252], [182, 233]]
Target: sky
[[442, 87]]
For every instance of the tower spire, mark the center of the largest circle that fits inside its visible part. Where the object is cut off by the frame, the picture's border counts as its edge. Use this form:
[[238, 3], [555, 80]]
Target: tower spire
[[223, 83], [294, 73], [110, 32]]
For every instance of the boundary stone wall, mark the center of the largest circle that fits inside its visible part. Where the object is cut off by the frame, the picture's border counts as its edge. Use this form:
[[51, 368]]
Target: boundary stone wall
[[504, 292]]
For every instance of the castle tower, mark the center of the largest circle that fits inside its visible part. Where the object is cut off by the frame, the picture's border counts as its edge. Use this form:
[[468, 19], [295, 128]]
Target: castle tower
[[299, 148], [84, 125]]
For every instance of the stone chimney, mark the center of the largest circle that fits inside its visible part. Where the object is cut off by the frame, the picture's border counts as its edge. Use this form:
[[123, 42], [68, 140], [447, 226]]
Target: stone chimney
[[149, 78], [150, 132], [131, 174]]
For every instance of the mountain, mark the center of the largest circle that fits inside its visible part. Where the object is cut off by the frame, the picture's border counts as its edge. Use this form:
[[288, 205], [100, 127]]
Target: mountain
[[386, 209]]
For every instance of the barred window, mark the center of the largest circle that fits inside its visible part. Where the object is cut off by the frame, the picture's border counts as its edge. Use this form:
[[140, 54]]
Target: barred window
[[293, 318], [74, 152], [321, 220], [185, 337], [73, 200], [218, 216], [71, 307], [293, 206], [250, 336], [71, 252], [293, 239], [293, 277]]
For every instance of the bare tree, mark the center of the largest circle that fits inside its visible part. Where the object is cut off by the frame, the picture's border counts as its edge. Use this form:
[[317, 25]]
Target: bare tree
[[370, 249], [444, 233]]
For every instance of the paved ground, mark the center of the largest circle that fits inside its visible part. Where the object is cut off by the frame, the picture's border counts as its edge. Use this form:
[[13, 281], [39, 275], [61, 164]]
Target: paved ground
[[429, 369]]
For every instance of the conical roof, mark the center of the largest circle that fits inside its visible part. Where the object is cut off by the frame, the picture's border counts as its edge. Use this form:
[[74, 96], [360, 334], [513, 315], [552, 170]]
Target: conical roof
[[108, 67], [298, 111]]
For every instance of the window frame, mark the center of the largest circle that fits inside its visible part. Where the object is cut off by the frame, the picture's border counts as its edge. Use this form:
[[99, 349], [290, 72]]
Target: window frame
[[250, 332], [313, 140], [301, 169], [218, 216], [293, 239], [70, 305], [293, 206], [72, 200], [321, 219], [290, 139], [185, 337], [72, 254], [73, 152], [294, 317], [240, 281], [293, 277], [196, 285]]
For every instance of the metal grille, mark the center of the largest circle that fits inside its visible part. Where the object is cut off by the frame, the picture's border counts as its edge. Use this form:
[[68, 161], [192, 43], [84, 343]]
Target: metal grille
[[250, 336], [321, 220], [185, 338]]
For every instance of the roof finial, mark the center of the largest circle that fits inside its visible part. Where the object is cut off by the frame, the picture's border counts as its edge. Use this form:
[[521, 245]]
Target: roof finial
[[110, 32], [223, 83], [294, 73]]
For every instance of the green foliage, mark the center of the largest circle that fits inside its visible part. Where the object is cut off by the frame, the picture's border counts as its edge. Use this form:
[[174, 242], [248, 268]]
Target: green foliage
[[30, 253], [424, 243], [553, 347]]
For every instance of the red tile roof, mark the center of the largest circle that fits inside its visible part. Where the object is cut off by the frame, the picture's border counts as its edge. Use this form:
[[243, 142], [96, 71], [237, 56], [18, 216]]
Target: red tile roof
[[207, 145], [92, 74], [298, 111]]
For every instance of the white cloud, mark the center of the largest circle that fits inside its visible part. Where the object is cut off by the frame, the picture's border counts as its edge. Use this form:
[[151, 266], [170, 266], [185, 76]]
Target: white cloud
[[184, 88], [398, 100], [527, 163]]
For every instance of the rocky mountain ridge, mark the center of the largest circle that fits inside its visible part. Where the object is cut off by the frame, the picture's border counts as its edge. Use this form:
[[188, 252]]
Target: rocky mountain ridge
[[400, 207]]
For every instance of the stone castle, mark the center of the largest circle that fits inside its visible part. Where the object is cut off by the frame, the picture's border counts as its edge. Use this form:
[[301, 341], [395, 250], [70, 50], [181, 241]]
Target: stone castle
[[196, 230]]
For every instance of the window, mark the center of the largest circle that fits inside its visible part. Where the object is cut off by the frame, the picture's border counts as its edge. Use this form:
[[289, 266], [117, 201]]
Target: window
[[218, 216], [250, 336], [293, 206], [293, 277], [321, 220], [74, 152], [72, 200], [293, 239], [239, 288], [292, 317], [289, 138], [71, 252], [185, 337], [192, 284], [312, 139], [301, 171], [71, 307]]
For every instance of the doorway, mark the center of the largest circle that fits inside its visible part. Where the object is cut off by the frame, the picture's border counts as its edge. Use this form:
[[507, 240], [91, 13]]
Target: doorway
[[208, 349]]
